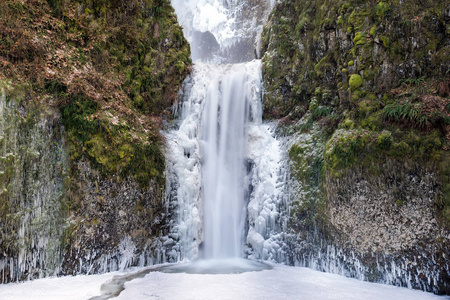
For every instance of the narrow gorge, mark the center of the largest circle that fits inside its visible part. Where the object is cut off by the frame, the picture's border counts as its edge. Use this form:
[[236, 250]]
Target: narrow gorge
[[310, 134]]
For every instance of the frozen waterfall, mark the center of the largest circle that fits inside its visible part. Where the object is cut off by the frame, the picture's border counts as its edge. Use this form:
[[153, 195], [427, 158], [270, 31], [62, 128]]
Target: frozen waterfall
[[222, 31], [225, 169]]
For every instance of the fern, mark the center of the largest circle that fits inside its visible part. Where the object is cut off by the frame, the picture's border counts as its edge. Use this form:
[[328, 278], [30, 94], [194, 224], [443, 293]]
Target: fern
[[321, 111], [406, 112]]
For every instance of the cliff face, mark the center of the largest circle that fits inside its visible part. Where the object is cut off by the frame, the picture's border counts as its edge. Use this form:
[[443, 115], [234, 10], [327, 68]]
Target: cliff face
[[85, 87], [362, 89], [32, 170]]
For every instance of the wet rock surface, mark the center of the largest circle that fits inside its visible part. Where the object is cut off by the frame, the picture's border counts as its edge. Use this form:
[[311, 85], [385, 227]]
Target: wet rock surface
[[115, 224]]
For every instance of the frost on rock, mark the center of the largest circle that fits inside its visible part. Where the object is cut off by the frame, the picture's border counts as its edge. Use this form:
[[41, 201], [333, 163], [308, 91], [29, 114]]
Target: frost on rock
[[32, 168], [227, 29], [127, 251]]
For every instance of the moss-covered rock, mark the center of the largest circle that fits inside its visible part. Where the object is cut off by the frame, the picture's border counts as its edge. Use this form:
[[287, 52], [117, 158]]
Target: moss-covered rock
[[381, 63], [355, 81], [351, 35], [112, 68], [107, 73], [33, 169]]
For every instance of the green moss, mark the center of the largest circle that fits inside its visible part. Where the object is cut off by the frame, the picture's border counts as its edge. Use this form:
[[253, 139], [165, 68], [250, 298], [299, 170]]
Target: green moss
[[345, 6], [348, 124], [320, 112], [355, 81], [306, 165], [401, 148], [382, 9], [79, 116], [385, 40], [345, 146], [399, 202], [111, 160], [359, 39], [313, 104], [385, 140], [323, 63]]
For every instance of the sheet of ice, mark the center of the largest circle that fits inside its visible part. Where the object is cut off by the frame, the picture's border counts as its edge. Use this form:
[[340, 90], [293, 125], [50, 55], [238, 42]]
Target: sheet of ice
[[281, 282], [80, 287], [268, 181], [218, 266]]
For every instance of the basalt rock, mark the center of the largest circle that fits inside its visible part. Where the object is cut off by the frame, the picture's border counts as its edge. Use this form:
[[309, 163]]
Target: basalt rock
[[357, 79], [84, 88]]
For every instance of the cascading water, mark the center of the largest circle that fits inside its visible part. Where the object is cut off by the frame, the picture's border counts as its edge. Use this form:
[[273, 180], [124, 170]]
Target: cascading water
[[224, 125], [207, 155], [224, 167]]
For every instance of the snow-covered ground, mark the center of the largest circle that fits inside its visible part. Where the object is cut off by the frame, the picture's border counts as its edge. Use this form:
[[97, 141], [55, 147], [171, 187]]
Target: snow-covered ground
[[281, 282]]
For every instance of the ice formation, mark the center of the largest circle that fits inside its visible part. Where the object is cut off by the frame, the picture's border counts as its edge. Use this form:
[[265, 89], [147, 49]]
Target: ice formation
[[219, 151], [222, 163], [225, 26], [225, 168]]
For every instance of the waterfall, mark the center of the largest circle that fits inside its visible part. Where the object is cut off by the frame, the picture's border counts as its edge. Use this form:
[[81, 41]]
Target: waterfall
[[229, 193], [225, 121], [222, 146], [206, 158], [222, 31], [225, 170]]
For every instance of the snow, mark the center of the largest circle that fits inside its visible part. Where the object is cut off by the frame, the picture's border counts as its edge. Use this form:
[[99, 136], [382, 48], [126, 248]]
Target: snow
[[80, 287], [205, 15], [209, 17], [230, 22], [281, 282]]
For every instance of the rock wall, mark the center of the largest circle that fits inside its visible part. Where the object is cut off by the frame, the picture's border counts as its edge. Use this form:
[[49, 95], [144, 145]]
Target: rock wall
[[84, 89], [312, 49], [390, 212], [61, 216], [392, 215], [33, 170], [115, 223], [361, 91], [379, 224]]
